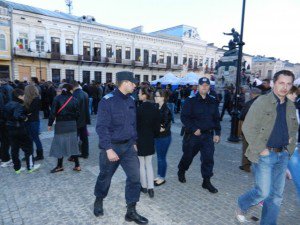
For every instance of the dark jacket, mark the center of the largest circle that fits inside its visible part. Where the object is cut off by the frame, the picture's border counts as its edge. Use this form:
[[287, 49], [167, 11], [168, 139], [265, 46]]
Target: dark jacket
[[83, 103], [246, 108], [34, 110], [148, 126], [15, 114], [69, 113], [165, 121]]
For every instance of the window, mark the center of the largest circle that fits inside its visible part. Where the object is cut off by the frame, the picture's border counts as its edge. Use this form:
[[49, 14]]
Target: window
[[270, 72], [138, 77], [127, 53], [154, 57], [109, 52], [2, 42], [161, 57], [22, 41], [56, 76], [175, 60], [169, 58], [119, 54], [195, 63], [153, 77], [86, 78], [137, 54], [161, 76], [206, 61], [55, 45], [201, 61], [87, 51], [212, 62], [108, 77], [69, 47], [69, 76], [39, 40], [98, 76], [146, 78], [190, 64], [4, 72], [184, 60], [97, 51]]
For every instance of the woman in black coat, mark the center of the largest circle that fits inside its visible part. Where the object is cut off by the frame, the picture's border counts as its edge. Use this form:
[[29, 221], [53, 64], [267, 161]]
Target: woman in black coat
[[148, 126]]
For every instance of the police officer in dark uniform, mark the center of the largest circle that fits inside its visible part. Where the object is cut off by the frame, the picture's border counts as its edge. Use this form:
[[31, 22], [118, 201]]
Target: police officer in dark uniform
[[200, 116], [116, 128]]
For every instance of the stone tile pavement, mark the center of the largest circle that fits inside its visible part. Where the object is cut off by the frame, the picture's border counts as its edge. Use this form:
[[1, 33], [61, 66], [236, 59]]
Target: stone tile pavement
[[67, 198]]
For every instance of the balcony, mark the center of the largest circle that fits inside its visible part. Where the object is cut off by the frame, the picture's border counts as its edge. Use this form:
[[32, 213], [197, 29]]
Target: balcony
[[168, 66], [55, 55], [31, 54], [96, 58], [176, 67], [86, 58], [118, 60], [69, 57]]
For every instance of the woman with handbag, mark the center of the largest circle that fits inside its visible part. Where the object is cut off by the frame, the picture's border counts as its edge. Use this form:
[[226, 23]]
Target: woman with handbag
[[65, 111]]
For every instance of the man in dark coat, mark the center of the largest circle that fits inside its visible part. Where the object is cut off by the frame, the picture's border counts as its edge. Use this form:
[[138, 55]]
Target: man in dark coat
[[84, 118]]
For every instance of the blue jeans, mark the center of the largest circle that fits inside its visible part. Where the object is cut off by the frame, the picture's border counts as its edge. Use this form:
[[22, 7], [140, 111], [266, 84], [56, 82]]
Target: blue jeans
[[90, 105], [171, 106], [34, 130], [294, 167], [161, 147], [269, 175]]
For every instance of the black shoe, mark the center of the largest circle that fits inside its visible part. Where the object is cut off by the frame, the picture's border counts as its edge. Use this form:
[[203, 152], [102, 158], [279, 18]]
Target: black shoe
[[181, 176], [151, 193], [207, 185], [241, 167], [144, 190], [132, 215], [98, 207], [38, 157], [23, 159], [83, 156]]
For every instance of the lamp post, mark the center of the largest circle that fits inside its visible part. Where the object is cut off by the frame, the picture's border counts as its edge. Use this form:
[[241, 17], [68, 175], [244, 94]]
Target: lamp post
[[39, 52], [235, 121]]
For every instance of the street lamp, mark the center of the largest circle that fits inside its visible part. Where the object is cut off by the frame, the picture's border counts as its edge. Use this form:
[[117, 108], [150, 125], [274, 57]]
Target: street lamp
[[235, 120], [39, 51]]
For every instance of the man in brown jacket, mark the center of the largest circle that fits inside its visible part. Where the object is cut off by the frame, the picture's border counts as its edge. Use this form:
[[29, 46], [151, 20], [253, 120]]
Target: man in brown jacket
[[270, 128]]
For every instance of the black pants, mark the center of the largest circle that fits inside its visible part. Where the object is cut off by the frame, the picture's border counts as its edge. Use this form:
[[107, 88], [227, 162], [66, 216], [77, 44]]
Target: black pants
[[131, 166], [225, 107], [191, 146], [95, 105], [4, 140], [82, 133], [178, 105], [20, 139]]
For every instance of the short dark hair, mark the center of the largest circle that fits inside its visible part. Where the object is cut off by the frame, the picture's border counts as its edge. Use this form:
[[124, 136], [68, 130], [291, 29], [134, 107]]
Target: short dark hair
[[17, 92], [284, 73], [67, 88], [75, 83], [35, 80], [163, 93], [148, 92]]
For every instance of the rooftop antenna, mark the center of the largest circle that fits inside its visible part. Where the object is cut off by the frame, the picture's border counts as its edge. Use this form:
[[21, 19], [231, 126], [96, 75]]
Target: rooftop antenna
[[69, 3]]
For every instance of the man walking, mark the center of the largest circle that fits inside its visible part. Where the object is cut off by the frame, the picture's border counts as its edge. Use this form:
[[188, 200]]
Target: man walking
[[270, 129], [201, 118], [116, 128]]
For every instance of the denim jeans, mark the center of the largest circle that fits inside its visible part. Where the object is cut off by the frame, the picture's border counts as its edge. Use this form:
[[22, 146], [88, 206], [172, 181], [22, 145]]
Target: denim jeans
[[90, 105], [171, 106], [34, 130], [294, 167], [161, 147], [269, 175]]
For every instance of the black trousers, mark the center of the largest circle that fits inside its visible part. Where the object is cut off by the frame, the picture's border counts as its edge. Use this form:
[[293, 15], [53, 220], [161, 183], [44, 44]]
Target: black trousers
[[4, 140], [82, 133], [20, 139], [191, 146], [95, 105], [131, 166]]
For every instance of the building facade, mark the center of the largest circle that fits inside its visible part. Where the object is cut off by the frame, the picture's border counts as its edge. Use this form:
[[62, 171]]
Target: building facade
[[52, 45]]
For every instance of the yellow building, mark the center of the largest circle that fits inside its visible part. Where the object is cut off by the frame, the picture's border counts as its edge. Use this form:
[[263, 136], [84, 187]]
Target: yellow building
[[5, 46]]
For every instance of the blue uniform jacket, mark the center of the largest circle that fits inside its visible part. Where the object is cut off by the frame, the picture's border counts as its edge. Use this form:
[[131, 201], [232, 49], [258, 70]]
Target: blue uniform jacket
[[198, 113], [116, 119]]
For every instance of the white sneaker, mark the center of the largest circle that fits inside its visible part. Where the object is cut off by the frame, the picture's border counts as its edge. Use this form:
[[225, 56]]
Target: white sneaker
[[6, 164], [34, 168], [240, 216]]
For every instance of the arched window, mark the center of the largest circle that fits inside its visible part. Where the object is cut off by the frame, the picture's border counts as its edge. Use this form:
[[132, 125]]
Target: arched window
[[2, 42]]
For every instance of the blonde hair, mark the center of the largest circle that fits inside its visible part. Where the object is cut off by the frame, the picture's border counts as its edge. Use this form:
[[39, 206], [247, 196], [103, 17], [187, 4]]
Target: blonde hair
[[30, 93]]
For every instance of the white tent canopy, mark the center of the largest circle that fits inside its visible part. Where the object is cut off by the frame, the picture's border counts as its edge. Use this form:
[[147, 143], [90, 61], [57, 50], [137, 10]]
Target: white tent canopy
[[168, 78], [297, 82], [258, 81], [190, 78]]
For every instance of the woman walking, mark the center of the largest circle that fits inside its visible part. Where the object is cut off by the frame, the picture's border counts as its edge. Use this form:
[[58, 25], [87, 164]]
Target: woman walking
[[163, 141], [32, 104], [65, 111], [148, 125]]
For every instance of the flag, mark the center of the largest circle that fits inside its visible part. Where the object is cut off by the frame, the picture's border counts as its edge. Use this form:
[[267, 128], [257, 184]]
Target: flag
[[19, 44]]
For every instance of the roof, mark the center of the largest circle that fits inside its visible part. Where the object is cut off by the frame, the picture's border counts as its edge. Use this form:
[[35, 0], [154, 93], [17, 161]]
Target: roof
[[263, 59], [177, 31]]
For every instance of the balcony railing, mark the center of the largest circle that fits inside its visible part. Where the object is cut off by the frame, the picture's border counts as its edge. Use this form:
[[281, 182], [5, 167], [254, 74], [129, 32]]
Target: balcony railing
[[32, 54], [55, 55], [97, 58], [86, 57], [69, 57]]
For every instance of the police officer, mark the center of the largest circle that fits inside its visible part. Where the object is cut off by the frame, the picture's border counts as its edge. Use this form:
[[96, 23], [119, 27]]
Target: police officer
[[116, 128], [200, 116]]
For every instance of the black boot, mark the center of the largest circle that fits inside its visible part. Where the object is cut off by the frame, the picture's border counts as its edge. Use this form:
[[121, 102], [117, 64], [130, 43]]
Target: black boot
[[181, 176], [144, 190], [132, 215], [98, 207], [151, 193], [39, 155], [207, 185]]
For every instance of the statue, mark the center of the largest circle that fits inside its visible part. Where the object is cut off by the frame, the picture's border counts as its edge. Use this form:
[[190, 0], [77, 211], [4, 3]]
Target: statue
[[232, 49]]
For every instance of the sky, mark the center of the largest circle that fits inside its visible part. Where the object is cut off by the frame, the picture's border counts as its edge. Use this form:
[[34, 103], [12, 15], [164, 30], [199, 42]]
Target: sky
[[271, 28]]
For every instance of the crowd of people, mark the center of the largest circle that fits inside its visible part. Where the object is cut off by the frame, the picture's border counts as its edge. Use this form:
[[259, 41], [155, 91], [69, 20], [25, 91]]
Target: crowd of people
[[134, 122]]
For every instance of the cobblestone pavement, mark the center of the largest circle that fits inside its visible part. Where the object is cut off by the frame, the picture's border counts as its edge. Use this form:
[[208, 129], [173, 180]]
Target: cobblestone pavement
[[67, 198]]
